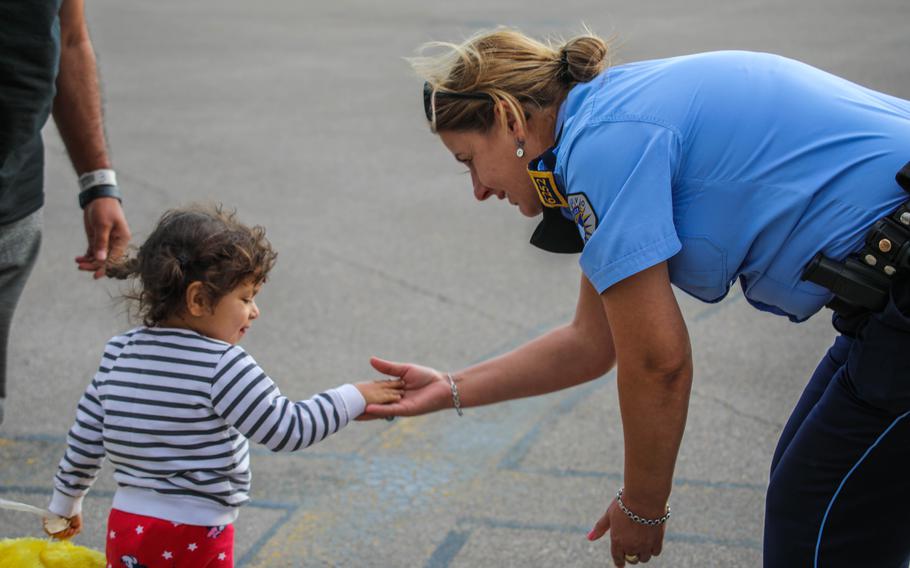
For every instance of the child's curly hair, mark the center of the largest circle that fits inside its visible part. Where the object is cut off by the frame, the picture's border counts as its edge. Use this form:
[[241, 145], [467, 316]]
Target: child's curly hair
[[197, 243]]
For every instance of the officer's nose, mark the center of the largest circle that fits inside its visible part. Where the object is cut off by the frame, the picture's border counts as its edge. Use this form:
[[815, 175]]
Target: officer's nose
[[481, 192]]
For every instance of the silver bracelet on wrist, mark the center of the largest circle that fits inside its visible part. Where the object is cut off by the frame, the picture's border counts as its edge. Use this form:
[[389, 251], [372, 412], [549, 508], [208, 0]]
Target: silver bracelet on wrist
[[636, 518], [456, 401]]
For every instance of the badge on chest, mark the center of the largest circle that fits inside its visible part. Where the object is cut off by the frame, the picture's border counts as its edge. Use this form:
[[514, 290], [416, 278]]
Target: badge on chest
[[556, 232], [547, 190]]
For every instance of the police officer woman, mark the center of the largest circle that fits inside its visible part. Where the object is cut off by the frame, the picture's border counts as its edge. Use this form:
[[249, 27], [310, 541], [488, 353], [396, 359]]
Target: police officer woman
[[697, 171]]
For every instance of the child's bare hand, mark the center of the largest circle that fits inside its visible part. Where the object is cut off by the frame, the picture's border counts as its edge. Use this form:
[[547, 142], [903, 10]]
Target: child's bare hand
[[74, 528], [381, 391]]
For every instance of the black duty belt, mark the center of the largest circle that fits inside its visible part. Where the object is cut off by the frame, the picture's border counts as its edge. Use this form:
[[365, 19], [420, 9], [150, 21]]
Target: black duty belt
[[862, 281]]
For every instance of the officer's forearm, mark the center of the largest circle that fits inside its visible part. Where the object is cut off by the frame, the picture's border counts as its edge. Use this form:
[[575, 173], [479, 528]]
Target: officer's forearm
[[562, 358], [77, 105], [654, 408]]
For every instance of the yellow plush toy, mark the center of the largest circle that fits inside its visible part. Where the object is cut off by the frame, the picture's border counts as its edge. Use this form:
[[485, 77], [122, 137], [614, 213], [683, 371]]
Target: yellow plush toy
[[44, 553]]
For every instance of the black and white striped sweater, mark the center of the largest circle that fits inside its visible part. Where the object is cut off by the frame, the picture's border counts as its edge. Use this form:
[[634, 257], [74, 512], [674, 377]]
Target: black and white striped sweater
[[173, 410]]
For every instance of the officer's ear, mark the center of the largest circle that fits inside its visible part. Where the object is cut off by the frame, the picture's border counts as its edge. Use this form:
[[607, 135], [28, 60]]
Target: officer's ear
[[504, 115]]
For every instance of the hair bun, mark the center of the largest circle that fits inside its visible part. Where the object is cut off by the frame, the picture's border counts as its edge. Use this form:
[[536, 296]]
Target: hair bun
[[562, 72], [582, 58], [503, 67]]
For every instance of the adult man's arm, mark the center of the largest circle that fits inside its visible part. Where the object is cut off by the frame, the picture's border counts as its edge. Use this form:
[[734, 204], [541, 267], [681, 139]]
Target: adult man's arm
[[77, 112]]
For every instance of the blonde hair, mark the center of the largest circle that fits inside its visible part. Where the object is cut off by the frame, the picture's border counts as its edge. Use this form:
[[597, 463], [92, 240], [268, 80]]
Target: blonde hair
[[510, 68]]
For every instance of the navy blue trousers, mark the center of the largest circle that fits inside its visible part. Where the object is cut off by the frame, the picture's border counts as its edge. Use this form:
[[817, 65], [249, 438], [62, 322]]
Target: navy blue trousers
[[839, 493]]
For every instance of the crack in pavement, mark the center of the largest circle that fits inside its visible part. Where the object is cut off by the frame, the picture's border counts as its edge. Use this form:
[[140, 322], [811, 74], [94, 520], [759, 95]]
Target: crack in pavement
[[736, 411], [441, 298]]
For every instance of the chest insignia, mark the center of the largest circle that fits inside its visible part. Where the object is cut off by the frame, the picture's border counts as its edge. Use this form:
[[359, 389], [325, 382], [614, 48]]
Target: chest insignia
[[547, 191]]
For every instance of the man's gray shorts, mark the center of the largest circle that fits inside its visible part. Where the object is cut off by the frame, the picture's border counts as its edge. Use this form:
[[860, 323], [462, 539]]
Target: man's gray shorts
[[19, 244]]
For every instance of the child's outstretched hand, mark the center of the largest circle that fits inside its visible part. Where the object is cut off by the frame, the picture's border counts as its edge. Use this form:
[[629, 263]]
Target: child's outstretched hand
[[74, 528], [381, 391]]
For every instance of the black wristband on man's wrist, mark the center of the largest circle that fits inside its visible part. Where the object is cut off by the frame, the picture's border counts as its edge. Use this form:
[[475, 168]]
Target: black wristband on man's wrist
[[88, 195]]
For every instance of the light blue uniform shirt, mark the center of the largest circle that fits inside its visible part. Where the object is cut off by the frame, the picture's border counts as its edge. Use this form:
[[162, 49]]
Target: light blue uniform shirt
[[728, 165]]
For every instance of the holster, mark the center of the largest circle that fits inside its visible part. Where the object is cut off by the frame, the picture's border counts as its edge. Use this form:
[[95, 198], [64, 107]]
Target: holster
[[861, 283]]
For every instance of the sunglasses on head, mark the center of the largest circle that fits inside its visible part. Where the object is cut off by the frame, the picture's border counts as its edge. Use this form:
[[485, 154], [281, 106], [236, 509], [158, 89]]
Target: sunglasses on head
[[429, 100]]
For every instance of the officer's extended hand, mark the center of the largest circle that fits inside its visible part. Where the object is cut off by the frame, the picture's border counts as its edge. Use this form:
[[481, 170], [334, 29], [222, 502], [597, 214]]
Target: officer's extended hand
[[425, 390], [107, 233], [628, 538]]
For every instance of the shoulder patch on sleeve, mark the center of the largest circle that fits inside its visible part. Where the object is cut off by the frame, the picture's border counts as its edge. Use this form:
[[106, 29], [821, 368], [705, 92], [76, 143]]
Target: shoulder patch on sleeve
[[584, 215]]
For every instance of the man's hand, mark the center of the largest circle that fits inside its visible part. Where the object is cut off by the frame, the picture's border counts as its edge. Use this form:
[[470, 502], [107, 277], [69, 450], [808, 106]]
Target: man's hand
[[77, 112], [107, 233]]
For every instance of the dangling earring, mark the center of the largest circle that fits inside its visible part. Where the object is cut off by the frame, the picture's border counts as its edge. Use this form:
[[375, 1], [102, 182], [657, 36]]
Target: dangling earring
[[520, 152]]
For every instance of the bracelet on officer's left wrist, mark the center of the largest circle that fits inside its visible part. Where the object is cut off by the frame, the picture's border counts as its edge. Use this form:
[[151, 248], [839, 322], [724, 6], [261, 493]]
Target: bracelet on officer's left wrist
[[456, 400]]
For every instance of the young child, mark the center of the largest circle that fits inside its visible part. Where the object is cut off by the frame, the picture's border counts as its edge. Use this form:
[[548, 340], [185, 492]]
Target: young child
[[174, 402]]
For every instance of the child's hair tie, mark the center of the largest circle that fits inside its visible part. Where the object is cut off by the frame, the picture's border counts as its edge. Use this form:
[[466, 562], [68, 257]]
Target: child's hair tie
[[183, 259]]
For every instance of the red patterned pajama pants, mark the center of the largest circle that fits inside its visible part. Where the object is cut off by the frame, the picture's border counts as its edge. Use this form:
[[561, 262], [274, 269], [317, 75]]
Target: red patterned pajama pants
[[137, 541]]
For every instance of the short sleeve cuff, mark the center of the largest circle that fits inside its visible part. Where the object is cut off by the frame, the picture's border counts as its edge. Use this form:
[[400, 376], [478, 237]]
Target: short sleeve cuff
[[602, 277], [354, 403], [64, 505]]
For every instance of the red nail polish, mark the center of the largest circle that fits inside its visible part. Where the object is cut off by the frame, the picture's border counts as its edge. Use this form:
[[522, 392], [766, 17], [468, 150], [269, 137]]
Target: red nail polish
[[591, 535]]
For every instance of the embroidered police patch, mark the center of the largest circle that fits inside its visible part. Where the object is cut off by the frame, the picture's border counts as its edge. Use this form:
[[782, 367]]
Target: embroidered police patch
[[584, 215], [547, 191]]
